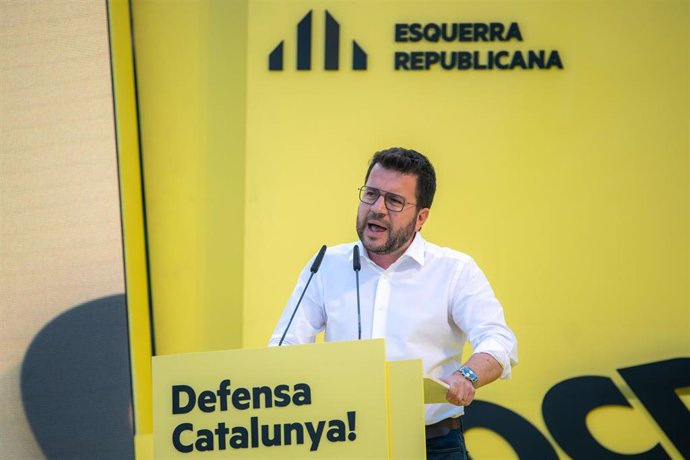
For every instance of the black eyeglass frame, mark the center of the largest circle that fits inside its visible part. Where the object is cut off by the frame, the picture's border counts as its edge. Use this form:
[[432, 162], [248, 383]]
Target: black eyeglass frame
[[385, 194]]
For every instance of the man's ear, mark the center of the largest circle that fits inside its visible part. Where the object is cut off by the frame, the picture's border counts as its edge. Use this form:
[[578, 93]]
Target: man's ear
[[422, 216]]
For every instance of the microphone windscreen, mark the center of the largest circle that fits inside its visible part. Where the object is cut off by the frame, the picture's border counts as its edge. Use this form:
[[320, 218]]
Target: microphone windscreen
[[319, 257], [356, 265]]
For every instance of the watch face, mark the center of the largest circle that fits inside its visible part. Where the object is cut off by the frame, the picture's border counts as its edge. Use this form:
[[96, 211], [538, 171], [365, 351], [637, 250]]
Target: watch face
[[469, 374]]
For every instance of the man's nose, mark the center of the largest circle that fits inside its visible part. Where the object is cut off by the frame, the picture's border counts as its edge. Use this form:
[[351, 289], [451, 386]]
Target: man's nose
[[379, 205]]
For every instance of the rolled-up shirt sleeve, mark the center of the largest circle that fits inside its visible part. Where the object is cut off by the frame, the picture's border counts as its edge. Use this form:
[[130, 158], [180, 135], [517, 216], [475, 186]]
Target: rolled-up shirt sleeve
[[479, 315]]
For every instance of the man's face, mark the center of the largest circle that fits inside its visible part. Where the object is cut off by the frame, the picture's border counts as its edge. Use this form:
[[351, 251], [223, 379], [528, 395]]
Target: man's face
[[382, 231]]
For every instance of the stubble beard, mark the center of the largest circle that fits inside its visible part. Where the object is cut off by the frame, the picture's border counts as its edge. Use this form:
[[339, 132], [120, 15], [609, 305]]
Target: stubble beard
[[395, 241]]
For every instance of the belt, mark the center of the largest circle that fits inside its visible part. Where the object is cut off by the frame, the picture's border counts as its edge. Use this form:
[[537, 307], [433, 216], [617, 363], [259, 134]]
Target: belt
[[442, 428]]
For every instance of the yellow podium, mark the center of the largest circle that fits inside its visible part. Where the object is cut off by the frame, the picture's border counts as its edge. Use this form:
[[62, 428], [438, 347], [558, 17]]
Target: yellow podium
[[338, 400]]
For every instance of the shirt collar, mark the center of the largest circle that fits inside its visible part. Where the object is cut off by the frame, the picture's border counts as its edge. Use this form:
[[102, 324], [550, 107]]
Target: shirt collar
[[416, 249]]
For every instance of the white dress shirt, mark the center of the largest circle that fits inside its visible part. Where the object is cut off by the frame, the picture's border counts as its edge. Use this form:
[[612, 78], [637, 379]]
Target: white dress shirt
[[426, 305]]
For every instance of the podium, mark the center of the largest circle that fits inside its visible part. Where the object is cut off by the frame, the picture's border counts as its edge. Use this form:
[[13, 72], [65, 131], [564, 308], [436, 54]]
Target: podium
[[338, 400]]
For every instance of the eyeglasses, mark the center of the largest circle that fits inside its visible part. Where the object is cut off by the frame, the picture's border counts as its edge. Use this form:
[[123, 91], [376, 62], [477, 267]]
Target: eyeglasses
[[393, 202]]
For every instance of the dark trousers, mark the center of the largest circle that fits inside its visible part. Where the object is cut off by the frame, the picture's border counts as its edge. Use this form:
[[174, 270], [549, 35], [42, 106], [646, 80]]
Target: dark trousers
[[448, 447]]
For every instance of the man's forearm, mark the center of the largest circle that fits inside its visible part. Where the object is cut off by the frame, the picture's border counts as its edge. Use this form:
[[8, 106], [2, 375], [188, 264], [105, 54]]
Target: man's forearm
[[461, 391], [485, 366]]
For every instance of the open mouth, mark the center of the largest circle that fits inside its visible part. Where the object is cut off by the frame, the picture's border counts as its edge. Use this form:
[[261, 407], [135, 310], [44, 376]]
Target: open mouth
[[376, 228]]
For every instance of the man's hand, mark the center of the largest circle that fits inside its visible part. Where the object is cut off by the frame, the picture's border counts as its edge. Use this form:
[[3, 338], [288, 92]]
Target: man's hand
[[461, 391]]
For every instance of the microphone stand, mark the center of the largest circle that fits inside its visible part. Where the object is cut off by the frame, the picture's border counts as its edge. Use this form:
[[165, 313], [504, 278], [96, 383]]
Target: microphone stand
[[314, 268], [357, 266]]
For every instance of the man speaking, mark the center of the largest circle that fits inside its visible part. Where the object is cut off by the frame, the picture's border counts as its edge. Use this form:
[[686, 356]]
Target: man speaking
[[426, 301]]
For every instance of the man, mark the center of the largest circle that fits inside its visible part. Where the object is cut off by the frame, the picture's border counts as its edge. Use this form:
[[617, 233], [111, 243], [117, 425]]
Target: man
[[426, 301]]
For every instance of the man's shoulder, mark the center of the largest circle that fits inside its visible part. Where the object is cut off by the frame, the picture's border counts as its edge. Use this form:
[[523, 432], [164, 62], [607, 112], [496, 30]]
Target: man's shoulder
[[461, 264], [443, 252]]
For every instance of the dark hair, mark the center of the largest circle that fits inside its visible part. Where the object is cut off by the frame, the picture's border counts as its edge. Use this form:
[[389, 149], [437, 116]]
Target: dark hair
[[412, 162]]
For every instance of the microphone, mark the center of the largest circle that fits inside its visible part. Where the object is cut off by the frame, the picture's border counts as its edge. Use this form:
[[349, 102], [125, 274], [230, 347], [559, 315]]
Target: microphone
[[314, 268], [357, 266], [317, 262]]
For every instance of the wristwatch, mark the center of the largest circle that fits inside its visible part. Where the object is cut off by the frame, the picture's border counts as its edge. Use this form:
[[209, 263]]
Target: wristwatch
[[469, 374]]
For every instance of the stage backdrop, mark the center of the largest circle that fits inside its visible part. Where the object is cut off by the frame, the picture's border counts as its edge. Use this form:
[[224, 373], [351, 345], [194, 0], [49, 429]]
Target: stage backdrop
[[559, 132]]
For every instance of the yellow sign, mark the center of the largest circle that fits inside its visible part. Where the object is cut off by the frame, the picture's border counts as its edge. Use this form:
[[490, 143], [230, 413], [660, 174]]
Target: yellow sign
[[324, 400]]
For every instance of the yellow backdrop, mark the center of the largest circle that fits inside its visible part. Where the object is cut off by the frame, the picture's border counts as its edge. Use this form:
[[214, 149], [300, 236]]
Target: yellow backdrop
[[568, 186]]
